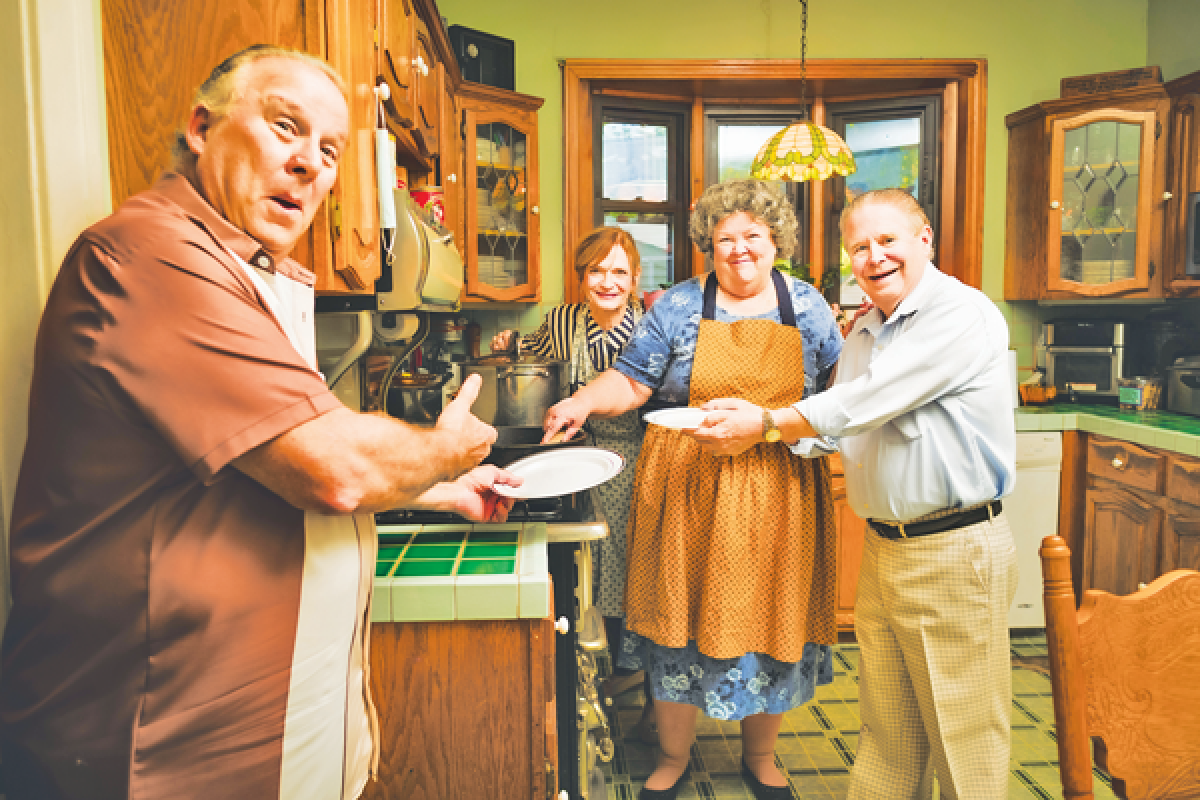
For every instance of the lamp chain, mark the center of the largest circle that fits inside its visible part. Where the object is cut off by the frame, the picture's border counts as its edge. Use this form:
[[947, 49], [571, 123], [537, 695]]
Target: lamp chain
[[803, 68]]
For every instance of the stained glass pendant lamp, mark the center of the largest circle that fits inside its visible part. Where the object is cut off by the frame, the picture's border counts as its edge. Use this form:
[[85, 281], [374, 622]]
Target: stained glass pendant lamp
[[804, 150]]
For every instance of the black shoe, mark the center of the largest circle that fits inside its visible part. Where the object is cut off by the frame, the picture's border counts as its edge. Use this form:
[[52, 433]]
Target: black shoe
[[760, 790], [668, 794]]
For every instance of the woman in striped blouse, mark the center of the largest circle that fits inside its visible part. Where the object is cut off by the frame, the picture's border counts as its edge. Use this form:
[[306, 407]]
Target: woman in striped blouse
[[590, 335]]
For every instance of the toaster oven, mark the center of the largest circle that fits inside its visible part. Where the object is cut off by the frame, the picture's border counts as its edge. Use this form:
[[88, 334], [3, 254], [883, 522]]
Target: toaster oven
[[1084, 358]]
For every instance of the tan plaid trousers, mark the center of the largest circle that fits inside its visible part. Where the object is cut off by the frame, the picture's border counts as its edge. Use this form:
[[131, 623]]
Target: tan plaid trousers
[[935, 682]]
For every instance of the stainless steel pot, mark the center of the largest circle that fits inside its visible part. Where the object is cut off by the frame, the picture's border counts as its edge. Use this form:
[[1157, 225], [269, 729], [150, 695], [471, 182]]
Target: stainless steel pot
[[517, 393]]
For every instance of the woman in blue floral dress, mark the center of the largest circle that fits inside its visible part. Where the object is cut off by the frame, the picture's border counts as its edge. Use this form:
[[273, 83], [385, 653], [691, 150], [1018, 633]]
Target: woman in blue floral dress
[[731, 582]]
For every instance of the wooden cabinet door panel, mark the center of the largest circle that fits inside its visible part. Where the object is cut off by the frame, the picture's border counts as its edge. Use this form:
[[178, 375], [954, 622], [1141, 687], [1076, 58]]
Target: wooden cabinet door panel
[[149, 78], [429, 79], [397, 36], [1121, 543], [351, 43], [1181, 541], [1183, 479], [851, 529], [461, 708], [1126, 463]]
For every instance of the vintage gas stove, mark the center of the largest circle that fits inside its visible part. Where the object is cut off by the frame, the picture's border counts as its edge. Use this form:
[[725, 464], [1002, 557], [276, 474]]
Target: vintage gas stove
[[566, 525]]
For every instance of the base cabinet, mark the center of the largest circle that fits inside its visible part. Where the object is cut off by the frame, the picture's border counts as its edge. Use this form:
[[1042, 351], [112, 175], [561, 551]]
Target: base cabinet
[[466, 710], [851, 529], [1142, 515]]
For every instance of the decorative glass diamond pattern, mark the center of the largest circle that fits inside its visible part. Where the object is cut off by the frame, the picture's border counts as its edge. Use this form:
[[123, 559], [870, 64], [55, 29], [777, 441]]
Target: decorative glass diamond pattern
[[500, 194], [1099, 202]]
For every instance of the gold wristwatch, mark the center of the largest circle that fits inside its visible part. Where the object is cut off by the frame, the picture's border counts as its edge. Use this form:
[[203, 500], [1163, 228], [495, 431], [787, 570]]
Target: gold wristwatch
[[771, 432]]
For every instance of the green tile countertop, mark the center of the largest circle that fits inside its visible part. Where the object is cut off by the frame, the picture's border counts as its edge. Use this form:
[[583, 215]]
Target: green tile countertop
[[1165, 430], [428, 573]]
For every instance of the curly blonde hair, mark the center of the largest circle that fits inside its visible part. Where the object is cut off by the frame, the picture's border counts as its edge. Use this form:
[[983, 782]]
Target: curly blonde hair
[[756, 198]]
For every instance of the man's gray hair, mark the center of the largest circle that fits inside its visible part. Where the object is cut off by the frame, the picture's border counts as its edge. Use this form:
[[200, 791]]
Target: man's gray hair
[[219, 91], [758, 199]]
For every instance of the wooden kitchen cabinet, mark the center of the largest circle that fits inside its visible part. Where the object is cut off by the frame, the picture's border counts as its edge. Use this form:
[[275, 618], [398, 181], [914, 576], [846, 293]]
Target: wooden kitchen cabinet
[[466, 709], [149, 80], [851, 530], [500, 190], [1183, 179], [1086, 196], [1142, 515]]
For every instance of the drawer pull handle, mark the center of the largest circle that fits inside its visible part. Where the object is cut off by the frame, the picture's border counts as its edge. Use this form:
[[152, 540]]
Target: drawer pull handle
[[1118, 463], [1141, 586]]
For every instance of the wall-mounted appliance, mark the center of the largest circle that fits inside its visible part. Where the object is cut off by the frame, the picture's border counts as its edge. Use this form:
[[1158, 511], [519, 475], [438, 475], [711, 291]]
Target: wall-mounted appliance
[[422, 269]]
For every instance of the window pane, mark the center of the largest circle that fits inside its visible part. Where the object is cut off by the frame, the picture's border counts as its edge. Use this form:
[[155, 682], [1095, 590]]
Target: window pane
[[654, 235], [635, 162], [888, 155], [737, 145]]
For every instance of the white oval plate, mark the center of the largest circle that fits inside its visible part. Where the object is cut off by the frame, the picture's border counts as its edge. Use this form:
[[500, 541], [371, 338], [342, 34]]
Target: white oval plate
[[563, 471], [683, 418]]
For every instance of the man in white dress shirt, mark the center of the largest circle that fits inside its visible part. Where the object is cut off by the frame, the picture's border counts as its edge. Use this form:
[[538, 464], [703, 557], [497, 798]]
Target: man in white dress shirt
[[921, 411]]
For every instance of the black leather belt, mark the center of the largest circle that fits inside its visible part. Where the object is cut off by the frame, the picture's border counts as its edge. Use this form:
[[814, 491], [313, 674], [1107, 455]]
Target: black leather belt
[[901, 530]]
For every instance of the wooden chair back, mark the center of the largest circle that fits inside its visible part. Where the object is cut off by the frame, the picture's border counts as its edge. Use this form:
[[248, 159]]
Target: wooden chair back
[[1125, 670]]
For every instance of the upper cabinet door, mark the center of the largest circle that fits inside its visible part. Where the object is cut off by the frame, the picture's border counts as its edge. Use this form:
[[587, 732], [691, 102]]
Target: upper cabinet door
[[503, 218], [1102, 205], [355, 214], [427, 75]]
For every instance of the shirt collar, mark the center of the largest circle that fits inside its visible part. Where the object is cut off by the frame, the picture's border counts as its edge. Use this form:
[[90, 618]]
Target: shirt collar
[[874, 322], [179, 190]]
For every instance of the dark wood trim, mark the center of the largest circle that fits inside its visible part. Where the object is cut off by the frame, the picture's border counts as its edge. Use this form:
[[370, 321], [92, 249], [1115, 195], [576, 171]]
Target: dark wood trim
[[481, 91]]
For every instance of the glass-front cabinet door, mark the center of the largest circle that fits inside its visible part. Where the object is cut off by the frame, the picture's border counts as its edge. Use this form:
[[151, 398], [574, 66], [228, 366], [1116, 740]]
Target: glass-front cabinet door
[[1101, 202], [503, 217]]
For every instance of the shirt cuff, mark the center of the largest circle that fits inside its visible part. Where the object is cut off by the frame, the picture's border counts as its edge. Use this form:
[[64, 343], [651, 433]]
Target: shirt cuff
[[814, 448], [824, 413]]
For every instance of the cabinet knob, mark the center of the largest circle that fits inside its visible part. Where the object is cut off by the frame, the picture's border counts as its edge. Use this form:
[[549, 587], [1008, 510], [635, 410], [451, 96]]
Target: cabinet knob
[[422, 67], [562, 625], [1141, 586], [1054, 204], [383, 91], [535, 211], [563, 795], [452, 178], [1167, 195], [1118, 463]]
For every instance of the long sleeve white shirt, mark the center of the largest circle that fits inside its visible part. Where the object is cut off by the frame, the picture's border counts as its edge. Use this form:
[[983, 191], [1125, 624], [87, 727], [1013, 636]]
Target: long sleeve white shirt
[[921, 408]]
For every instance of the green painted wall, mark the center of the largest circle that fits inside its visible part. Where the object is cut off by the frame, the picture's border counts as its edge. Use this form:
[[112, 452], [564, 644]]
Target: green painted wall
[[1173, 26], [1029, 44]]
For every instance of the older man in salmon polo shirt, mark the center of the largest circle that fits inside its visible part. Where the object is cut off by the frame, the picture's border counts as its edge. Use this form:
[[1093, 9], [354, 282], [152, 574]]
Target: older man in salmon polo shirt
[[192, 540]]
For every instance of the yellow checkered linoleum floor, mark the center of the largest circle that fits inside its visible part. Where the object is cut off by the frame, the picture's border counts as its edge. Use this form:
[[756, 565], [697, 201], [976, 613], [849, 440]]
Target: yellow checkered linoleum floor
[[817, 744]]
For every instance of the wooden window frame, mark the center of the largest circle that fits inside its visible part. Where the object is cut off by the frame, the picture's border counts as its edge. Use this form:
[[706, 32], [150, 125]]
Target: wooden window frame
[[678, 172], [962, 84]]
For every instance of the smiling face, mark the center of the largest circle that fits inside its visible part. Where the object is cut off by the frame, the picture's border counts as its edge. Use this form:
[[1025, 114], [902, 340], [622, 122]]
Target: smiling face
[[267, 165], [607, 284], [743, 253], [888, 250]]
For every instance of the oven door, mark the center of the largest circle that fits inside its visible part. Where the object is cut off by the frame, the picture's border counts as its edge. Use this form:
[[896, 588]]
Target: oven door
[[1084, 370]]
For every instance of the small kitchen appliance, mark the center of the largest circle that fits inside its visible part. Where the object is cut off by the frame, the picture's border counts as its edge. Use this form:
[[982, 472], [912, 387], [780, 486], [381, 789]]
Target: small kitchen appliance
[[1084, 358], [1183, 385]]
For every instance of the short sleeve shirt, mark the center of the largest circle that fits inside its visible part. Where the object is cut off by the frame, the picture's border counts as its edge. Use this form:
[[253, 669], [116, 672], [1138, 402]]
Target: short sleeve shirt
[[156, 588], [664, 343]]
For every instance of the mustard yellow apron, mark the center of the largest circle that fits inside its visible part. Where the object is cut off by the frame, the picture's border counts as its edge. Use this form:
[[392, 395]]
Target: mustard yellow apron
[[737, 553]]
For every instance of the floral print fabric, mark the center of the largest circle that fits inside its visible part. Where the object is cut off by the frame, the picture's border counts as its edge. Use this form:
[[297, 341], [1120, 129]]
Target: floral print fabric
[[728, 688]]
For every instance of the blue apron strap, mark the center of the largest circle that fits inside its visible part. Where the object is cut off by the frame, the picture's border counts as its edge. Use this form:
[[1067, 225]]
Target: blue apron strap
[[787, 314]]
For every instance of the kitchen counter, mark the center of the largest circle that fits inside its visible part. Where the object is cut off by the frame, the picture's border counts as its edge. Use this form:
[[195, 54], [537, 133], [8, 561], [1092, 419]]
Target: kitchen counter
[[1165, 430], [442, 573]]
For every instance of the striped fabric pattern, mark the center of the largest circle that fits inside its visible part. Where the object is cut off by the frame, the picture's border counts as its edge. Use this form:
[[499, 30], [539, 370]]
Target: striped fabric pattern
[[553, 338]]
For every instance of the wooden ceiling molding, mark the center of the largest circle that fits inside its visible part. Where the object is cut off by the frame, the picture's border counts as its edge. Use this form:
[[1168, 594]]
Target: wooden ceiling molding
[[700, 82]]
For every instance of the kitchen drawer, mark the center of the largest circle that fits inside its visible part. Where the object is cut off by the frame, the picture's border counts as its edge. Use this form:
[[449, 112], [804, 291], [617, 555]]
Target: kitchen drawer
[[1126, 463], [1183, 479]]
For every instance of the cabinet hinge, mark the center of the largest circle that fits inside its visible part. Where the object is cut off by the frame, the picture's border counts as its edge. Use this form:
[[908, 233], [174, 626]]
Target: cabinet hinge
[[1157, 128], [1151, 275], [335, 217]]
